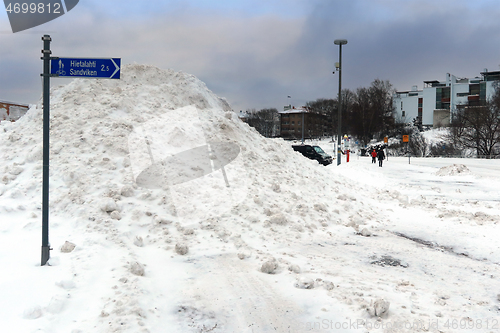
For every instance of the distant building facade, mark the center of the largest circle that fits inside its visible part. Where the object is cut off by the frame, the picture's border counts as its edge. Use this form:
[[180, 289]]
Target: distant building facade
[[436, 104], [291, 123], [12, 111], [243, 116]]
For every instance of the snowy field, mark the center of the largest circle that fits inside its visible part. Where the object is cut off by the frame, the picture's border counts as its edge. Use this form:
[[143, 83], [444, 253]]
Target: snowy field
[[168, 214]]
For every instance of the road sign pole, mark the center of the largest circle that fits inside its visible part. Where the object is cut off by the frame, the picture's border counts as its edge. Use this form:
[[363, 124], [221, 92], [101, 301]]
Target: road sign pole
[[107, 68], [386, 141], [409, 153], [406, 138], [46, 148]]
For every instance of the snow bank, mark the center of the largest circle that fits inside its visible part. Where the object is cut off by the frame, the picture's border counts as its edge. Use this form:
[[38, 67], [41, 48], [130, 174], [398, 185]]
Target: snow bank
[[169, 213], [454, 169]]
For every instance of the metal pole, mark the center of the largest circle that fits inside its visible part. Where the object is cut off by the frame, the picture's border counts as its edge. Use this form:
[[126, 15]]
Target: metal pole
[[339, 130], [46, 131], [333, 133], [302, 126], [409, 153]]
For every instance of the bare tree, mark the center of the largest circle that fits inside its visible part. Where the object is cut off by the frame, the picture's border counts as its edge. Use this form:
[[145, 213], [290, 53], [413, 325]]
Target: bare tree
[[372, 111], [416, 146], [443, 148], [265, 121], [327, 108], [478, 127]]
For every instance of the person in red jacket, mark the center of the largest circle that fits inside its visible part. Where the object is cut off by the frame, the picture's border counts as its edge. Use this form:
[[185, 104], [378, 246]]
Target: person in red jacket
[[374, 156]]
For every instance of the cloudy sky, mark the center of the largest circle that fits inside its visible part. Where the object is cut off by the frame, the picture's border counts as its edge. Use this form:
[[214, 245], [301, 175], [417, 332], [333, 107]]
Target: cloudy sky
[[256, 53]]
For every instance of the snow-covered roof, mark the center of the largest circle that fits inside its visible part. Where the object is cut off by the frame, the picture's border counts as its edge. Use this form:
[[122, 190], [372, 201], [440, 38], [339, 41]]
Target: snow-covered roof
[[295, 110], [16, 104]]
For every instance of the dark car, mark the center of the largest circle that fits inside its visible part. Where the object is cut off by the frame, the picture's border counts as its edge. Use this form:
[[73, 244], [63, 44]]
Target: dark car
[[314, 153]]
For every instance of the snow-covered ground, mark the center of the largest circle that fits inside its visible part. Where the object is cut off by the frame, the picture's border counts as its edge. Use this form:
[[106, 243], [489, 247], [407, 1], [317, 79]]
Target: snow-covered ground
[[184, 219]]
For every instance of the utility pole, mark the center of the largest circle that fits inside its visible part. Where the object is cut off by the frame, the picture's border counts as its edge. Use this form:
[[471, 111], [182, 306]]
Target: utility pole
[[339, 42]]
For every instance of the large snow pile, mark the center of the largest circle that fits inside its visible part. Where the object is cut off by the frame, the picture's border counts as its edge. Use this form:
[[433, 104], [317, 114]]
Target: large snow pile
[[210, 185], [106, 133], [169, 214]]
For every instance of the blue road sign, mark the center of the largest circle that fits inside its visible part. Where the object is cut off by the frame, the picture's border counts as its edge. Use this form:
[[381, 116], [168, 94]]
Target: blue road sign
[[87, 68]]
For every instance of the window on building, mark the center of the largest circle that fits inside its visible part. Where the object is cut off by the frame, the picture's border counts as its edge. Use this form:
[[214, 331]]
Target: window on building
[[403, 113], [443, 98], [482, 92]]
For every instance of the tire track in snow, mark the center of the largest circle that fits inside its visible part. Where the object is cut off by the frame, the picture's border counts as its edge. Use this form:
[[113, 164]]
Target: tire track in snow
[[248, 301]]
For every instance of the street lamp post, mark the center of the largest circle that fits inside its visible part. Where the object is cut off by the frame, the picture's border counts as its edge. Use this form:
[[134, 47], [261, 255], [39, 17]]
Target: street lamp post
[[302, 126], [339, 42]]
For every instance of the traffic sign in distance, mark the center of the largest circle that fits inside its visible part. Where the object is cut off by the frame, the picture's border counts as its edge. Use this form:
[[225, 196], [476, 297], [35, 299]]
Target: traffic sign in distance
[[86, 67]]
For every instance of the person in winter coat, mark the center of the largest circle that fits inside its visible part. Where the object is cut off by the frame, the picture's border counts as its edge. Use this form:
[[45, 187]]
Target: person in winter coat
[[381, 157], [374, 156]]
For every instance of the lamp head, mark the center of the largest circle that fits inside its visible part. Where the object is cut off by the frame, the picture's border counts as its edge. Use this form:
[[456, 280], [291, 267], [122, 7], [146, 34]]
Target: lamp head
[[340, 41]]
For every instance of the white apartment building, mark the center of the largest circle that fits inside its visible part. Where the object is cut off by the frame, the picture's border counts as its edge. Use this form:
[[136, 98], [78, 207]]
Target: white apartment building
[[438, 101]]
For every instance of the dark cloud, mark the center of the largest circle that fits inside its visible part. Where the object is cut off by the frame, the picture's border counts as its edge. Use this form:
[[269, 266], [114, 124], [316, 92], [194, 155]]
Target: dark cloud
[[402, 43], [257, 58]]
